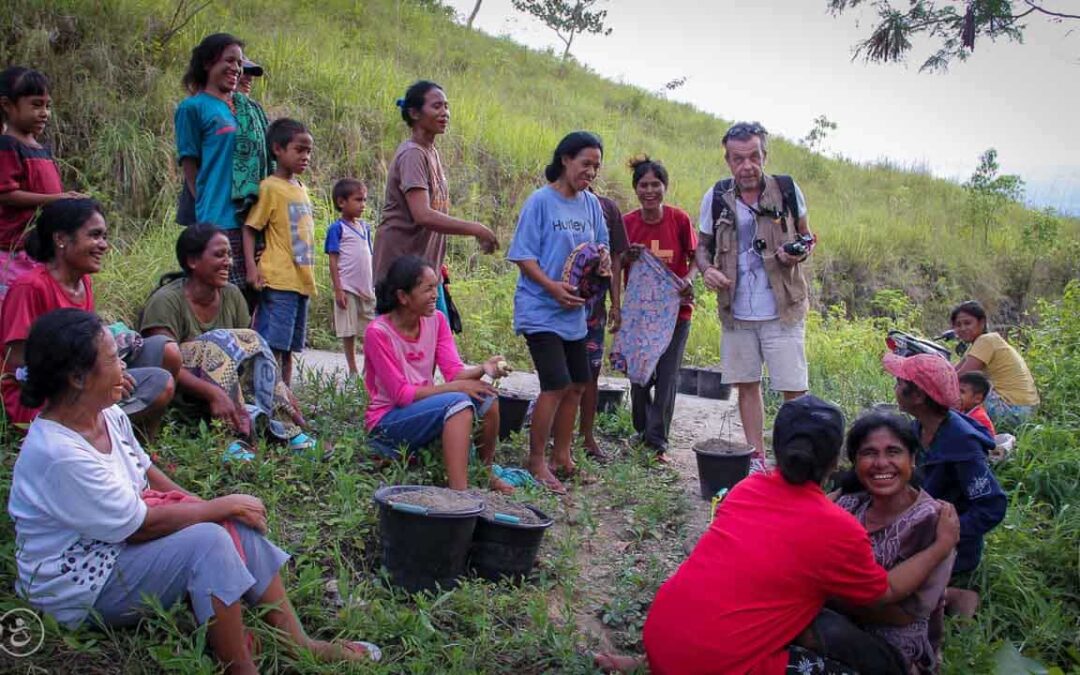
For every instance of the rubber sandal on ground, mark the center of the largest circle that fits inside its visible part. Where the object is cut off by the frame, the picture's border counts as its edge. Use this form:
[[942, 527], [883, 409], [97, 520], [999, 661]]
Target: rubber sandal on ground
[[301, 442], [553, 484], [238, 452], [373, 651], [598, 454]]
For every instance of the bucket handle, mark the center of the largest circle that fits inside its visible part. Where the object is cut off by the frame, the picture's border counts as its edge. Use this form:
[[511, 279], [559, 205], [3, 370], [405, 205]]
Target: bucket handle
[[506, 518], [409, 508]]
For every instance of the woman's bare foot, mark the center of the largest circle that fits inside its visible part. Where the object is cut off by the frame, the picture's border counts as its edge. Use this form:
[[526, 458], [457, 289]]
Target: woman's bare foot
[[500, 486], [330, 652], [618, 663], [548, 479]]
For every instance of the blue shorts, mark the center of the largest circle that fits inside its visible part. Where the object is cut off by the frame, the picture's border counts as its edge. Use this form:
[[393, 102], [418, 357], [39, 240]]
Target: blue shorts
[[281, 319], [418, 424]]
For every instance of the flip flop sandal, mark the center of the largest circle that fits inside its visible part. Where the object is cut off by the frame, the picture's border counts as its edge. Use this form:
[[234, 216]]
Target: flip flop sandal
[[373, 651], [598, 454], [301, 442], [553, 485], [238, 452]]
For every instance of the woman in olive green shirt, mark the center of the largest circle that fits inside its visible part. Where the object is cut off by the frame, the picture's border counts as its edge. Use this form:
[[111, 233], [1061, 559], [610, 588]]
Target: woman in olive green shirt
[[229, 372]]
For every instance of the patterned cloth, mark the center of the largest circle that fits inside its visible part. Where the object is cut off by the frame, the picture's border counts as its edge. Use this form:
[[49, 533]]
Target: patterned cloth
[[650, 306], [251, 160], [805, 662], [240, 362], [588, 267]]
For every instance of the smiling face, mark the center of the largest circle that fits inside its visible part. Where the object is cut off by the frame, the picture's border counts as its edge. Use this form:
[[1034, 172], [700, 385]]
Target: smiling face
[[103, 386], [434, 116], [967, 327], [423, 296], [27, 115], [84, 251], [223, 75], [884, 464], [746, 159], [212, 267], [580, 170], [296, 155], [650, 191]]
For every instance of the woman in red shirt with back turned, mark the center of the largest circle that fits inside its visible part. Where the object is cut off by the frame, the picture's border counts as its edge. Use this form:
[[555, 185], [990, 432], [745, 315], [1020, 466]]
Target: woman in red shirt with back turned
[[667, 232], [750, 598]]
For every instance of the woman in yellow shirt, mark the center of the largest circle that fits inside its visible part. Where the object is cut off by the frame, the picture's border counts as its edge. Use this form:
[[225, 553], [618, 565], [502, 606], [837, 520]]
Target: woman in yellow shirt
[[1013, 397]]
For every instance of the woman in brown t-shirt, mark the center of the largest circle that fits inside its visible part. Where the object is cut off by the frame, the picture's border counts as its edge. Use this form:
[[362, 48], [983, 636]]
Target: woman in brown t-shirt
[[415, 218]]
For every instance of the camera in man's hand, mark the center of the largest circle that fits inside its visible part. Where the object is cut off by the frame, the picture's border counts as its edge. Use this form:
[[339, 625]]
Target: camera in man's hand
[[799, 247]]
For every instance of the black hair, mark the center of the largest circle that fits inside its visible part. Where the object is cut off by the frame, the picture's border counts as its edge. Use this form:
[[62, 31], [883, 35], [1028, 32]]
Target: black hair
[[414, 98], [898, 425], [972, 308], [63, 344], [281, 132], [935, 407], [744, 131], [802, 460], [571, 144], [191, 243], [344, 188], [978, 381], [207, 51], [17, 82], [643, 166], [62, 215], [404, 275]]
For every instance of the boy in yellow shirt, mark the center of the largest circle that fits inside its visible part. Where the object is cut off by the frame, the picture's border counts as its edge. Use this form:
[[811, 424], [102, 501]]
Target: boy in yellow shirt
[[284, 276]]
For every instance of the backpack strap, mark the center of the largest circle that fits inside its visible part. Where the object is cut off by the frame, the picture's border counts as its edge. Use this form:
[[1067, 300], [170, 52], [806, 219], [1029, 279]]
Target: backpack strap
[[790, 200], [719, 207]]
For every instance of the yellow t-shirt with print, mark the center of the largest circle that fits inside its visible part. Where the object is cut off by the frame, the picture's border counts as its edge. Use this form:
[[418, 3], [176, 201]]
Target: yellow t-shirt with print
[[284, 213], [1005, 369]]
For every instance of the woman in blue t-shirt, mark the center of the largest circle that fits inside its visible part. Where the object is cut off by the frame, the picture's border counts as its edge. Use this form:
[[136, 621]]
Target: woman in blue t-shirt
[[206, 139], [549, 312]]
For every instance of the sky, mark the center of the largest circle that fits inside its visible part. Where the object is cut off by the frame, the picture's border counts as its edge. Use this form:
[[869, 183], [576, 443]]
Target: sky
[[785, 62]]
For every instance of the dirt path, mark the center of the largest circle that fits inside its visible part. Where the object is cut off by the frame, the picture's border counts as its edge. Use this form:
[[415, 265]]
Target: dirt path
[[604, 554]]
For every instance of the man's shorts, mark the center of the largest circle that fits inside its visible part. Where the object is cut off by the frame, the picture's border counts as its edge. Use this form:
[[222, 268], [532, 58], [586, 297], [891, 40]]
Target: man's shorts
[[558, 362], [356, 316], [781, 347], [282, 319]]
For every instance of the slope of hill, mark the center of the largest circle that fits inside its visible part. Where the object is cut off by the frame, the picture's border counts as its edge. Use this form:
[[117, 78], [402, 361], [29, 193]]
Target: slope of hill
[[339, 65]]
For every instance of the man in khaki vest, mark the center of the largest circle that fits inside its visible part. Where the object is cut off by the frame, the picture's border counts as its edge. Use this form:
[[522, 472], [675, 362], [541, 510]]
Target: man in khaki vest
[[745, 224]]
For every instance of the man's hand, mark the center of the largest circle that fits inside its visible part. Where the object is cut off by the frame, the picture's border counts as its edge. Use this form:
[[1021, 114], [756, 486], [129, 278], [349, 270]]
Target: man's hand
[[129, 384], [566, 295], [786, 259], [715, 280], [633, 253], [340, 299]]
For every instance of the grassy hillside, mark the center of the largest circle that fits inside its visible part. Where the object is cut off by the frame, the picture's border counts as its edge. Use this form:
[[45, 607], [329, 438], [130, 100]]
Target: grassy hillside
[[893, 252], [339, 65]]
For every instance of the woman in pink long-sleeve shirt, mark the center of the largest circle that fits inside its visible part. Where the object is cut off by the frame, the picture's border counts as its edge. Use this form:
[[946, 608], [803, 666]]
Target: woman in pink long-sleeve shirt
[[407, 409]]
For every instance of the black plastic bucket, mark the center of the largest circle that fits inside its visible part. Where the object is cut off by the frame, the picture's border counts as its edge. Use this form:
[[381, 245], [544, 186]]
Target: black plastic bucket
[[513, 407], [721, 470], [609, 399], [710, 384], [504, 549], [423, 550], [688, 381]]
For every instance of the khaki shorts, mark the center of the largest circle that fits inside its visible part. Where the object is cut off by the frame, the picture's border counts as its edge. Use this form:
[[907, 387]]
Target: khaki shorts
[[780, 347], [356, 316]]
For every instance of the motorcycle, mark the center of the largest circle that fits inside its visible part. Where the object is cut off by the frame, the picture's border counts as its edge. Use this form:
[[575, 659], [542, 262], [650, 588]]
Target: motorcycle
[[906, 344]]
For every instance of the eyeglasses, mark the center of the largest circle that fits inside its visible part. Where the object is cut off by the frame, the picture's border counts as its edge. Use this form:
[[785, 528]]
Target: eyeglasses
[[743, 129]]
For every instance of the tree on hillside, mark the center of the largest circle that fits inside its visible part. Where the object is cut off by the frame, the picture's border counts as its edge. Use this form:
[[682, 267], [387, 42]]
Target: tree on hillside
[[568, 18], [473, 13], [988, 193], [953, 26]]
